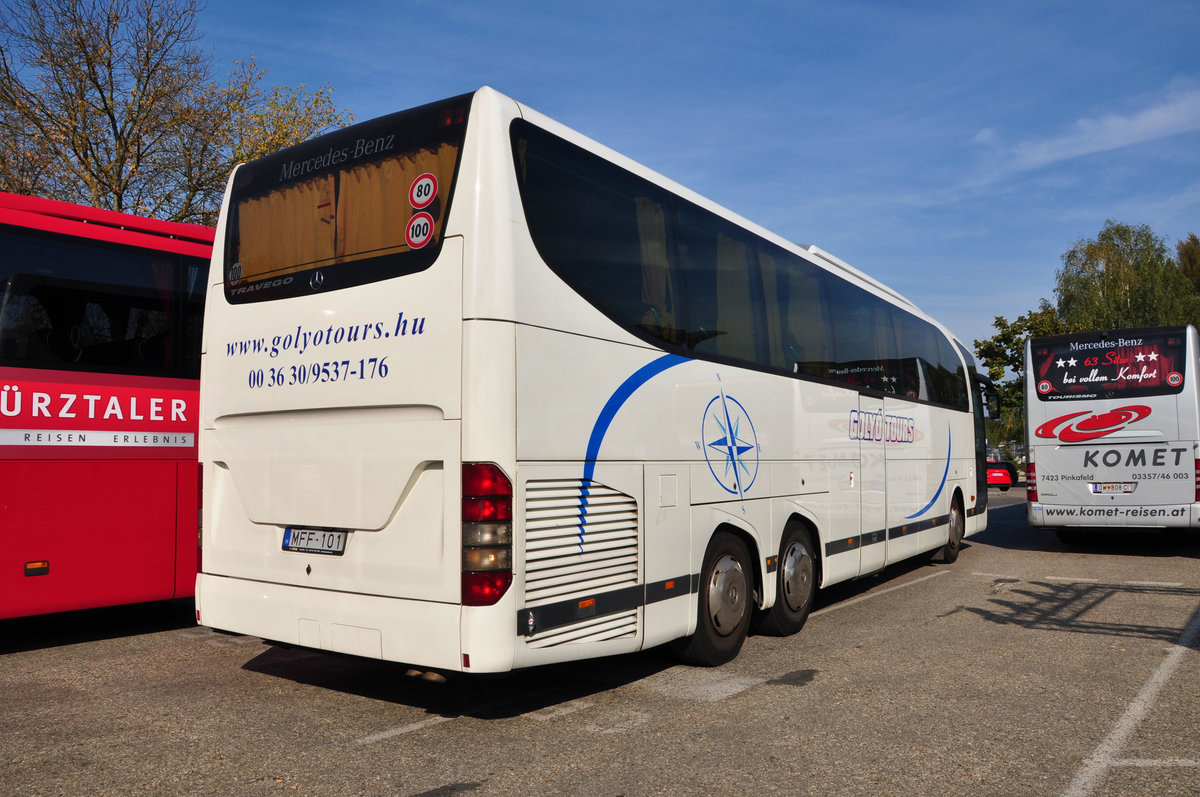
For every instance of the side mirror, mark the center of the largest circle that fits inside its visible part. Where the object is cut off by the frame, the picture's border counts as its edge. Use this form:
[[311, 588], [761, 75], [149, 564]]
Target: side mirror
[[988, 395]]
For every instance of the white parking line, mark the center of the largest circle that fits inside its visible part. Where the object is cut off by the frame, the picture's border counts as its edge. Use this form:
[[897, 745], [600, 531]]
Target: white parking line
[[1105, 757], [416, 726], [1156, 762], [1075, 580], [844, 604]]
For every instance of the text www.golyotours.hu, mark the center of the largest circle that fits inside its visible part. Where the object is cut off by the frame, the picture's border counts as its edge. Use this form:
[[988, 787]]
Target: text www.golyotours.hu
[[301, 340]]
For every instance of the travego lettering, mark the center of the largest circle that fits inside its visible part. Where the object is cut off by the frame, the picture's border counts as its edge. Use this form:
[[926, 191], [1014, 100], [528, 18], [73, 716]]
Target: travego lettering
[[1136, 457], [278, 282]]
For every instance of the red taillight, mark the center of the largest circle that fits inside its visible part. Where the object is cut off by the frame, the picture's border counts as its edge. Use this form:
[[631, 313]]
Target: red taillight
[[486, 509], [1031, 483], [484, 479], [1198, 481], [484, 589], [486, 534]]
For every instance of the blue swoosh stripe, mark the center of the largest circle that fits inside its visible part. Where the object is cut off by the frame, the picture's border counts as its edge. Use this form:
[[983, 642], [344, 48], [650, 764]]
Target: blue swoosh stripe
[[941, 486], [605, 419], [617, 400]]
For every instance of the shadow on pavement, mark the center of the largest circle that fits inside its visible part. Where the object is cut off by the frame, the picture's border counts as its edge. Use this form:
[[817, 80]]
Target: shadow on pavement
[[71, 628]]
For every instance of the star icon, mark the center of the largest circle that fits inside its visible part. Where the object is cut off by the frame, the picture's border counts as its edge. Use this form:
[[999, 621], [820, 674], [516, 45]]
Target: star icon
[[731, 446]]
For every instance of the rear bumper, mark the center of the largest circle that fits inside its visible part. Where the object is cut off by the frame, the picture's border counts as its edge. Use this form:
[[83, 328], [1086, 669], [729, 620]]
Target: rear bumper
[[421, 633]]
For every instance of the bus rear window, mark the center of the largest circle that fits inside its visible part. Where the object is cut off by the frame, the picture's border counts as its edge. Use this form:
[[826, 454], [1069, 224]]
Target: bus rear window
[[1128, 364], [364, 203]]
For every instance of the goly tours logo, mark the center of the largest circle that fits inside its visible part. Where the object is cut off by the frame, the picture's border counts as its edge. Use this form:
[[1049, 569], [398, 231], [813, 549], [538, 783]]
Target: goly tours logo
[[1073, 428]]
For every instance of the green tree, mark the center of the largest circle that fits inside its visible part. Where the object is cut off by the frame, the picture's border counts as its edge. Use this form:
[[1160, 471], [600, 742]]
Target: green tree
[[1187, 260], [112, 103], [1003, 355], [1123, 278]]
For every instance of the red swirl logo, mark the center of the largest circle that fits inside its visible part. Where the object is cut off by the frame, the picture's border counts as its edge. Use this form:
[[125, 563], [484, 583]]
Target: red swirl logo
[[1074, 429]]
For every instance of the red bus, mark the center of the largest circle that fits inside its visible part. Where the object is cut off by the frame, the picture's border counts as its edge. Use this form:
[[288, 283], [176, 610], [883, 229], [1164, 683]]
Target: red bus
[[100, 323]]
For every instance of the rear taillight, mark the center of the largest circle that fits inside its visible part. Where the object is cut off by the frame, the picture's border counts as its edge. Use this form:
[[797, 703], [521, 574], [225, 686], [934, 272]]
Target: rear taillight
[[1031, 483], [487, 501], [1198, 481]]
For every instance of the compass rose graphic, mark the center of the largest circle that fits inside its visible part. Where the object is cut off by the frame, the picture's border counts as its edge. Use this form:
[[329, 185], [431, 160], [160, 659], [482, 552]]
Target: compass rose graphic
[[730, 444]]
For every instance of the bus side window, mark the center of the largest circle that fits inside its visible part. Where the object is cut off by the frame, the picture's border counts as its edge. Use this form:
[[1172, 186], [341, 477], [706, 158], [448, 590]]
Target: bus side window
[[658, 290], [797, 313], [604, 231], [722, 312]]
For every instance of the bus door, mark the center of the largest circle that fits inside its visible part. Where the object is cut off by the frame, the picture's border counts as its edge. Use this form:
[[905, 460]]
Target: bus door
[[872, 492]]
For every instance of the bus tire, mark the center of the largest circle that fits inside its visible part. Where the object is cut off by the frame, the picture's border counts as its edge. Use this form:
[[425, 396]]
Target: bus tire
[[957, 528], [726, 590], [795, 585]]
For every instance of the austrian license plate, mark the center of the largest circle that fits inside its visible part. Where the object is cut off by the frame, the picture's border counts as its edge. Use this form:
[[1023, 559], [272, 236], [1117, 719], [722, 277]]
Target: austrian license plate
[[1113, 488], [323, 541]]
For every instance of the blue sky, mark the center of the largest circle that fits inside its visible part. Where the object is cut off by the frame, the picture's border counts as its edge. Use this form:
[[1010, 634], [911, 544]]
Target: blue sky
[[953, 150]]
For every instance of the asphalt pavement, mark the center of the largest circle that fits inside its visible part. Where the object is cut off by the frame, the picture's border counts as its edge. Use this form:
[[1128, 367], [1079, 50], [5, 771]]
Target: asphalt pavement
[[1026, 668]]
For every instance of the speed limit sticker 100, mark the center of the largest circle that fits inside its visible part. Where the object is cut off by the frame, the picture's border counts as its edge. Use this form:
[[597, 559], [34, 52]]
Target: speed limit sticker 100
[[419, 230]]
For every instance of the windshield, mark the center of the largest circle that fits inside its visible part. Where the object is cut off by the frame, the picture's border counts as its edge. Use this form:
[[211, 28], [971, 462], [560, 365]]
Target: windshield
[[364, 203], [1116, 364]]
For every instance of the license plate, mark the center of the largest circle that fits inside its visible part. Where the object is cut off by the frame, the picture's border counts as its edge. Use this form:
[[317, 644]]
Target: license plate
[[323, 541], [1115, 488]]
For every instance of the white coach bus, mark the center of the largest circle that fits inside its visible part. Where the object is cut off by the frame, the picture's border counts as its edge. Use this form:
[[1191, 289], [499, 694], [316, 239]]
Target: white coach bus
[[1113, 426], [479, 393]]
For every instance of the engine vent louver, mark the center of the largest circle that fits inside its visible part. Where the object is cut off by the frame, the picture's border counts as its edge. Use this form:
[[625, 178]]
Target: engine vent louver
[[581, 539]]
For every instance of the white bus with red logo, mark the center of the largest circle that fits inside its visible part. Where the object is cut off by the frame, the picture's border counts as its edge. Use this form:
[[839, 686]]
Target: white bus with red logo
[[479, 393], [100, 323], [1113, 424]]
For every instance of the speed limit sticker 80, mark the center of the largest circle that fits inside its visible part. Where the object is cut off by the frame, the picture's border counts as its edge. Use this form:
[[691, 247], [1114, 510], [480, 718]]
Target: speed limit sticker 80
[[423, 191]]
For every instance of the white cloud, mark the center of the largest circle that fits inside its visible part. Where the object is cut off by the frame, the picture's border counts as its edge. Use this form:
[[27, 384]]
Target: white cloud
[[1179, 113]]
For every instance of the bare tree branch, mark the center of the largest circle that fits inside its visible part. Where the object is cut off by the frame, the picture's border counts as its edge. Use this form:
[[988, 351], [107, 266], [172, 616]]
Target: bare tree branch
[[113, 103]]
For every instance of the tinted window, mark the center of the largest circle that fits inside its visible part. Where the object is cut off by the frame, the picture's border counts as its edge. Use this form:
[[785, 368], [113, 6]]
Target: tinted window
[[719, 274], [605, 232], [364, 203], [678, 274], [75, 304]]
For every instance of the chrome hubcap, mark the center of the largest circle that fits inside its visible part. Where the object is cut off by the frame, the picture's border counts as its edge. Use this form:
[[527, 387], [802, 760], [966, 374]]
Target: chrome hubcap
[[727, 591], [797, 576]]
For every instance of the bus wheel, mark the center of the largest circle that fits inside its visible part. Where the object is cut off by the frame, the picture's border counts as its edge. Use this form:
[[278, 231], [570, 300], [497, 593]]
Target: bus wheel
[[726, 586], [796, 584], [957, 527]]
